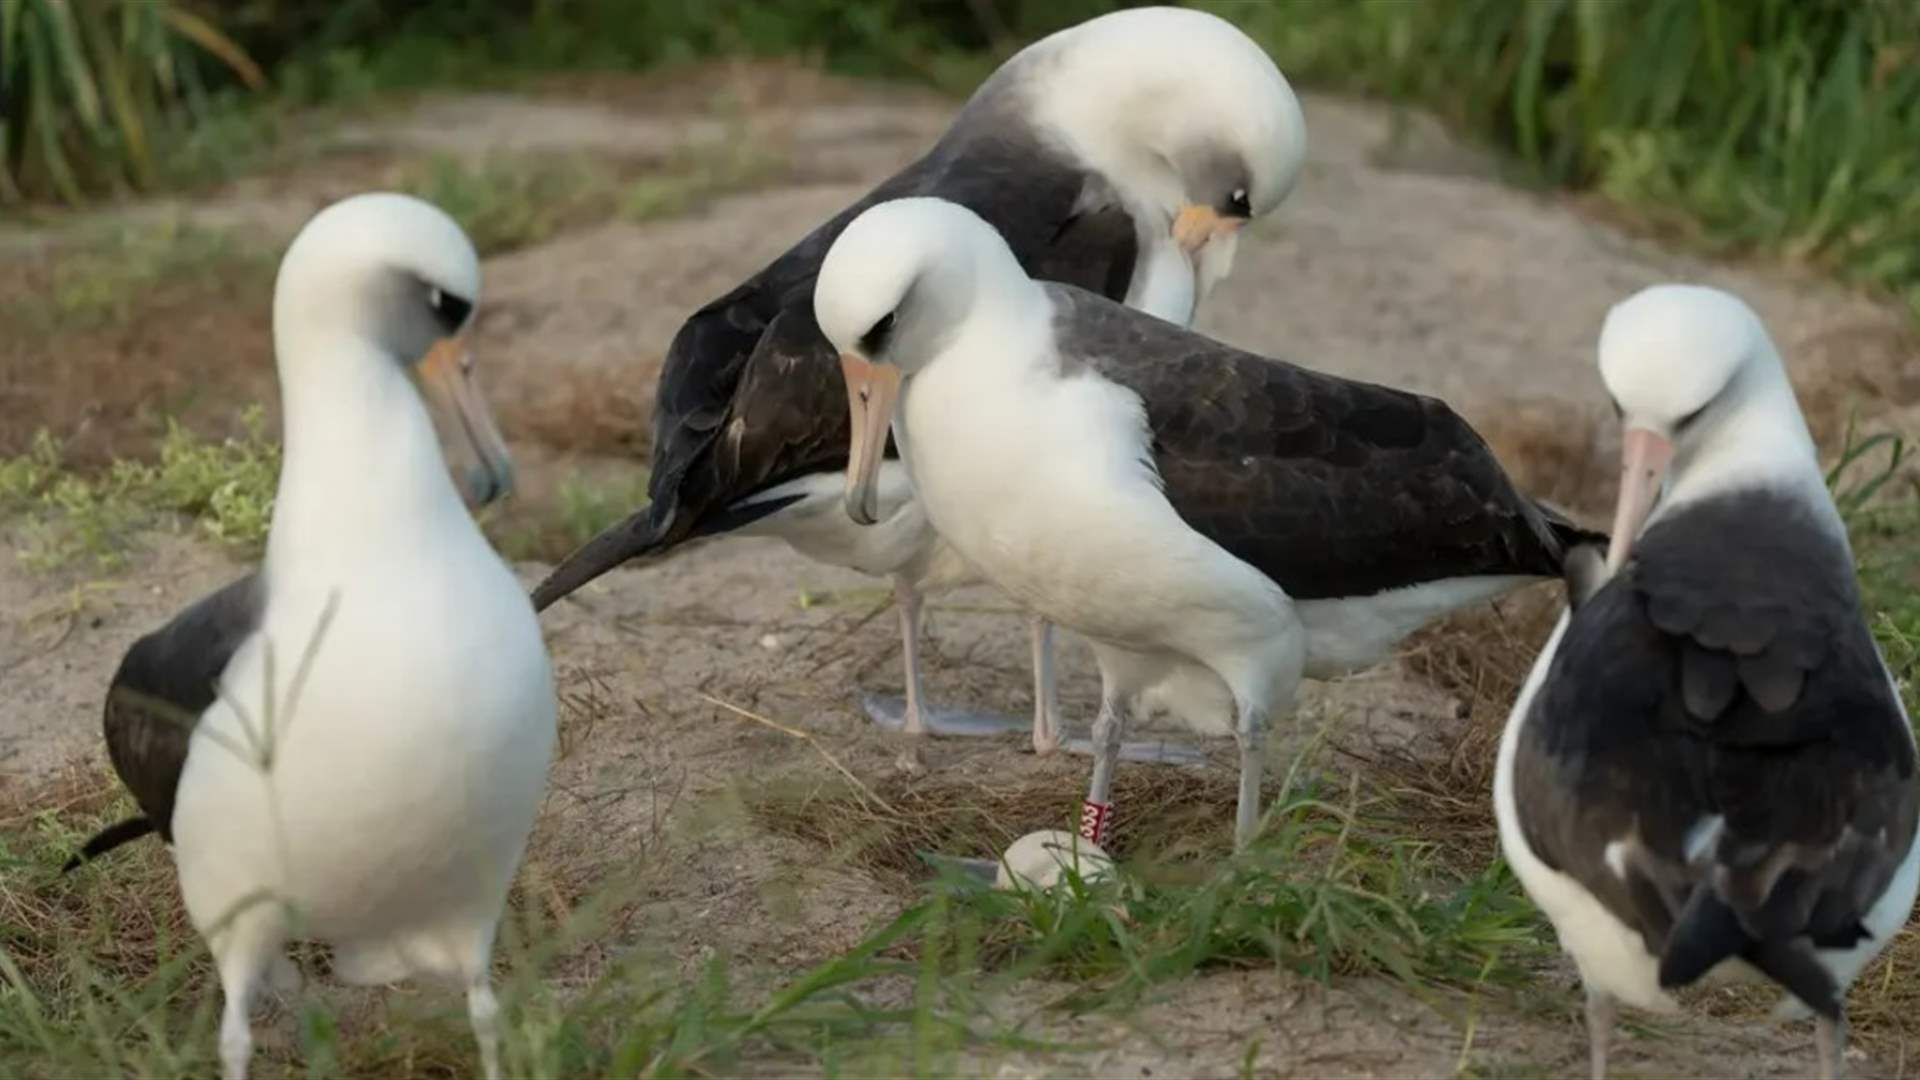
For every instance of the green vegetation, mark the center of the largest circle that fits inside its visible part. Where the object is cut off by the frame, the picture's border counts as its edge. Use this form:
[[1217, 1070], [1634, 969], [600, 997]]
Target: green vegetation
[[100, 973], [1878, 490], [96, 96], [1774, 125], [1330, 888], [64, 516], [103, 275], [509, 201], [579, 511]]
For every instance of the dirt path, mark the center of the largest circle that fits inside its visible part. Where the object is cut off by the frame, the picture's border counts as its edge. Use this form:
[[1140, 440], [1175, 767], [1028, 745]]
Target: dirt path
[[1399, 259]]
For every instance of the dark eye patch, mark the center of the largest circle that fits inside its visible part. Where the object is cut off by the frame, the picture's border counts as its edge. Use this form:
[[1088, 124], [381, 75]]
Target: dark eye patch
[[449, 310], [1686, 421], [875, 339], [1238, 204]]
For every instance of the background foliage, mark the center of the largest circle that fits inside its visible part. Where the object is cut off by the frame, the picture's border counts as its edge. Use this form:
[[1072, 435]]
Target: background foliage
[[1785, 126]]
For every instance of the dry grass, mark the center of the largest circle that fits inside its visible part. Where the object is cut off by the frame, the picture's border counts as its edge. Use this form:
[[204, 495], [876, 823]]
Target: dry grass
[[590, 411], [1555, 451], [125, 917], [1481, 657], [106, 335], [1167, 815], [1561, 454]]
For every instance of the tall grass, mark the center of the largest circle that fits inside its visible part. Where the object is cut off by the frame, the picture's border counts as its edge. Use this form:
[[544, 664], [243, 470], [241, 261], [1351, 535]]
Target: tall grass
[[95, 93], [1785, 126]]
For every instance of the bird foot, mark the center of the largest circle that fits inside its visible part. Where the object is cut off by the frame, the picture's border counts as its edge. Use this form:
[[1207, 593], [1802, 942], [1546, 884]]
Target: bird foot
[[891, 713], [909, 762]]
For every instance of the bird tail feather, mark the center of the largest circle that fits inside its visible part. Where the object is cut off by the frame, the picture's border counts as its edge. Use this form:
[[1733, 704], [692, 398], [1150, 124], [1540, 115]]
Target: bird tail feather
[[107, 839]]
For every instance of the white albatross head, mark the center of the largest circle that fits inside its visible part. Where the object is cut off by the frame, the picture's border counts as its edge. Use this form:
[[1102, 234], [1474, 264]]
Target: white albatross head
[[1181, 112], [895, 287], [1700, 390], [397, 280]]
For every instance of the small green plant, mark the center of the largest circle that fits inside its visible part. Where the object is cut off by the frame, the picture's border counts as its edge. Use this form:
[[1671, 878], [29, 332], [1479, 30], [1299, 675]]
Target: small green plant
[[101, 276], [508, 201], [699, 175], [226, 486], [579, 511]]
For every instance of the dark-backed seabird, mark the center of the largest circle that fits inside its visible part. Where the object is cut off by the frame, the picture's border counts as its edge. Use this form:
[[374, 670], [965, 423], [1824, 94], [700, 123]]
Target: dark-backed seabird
[[350, 744], [1211, 520], [1709, 768], [1121, 155]]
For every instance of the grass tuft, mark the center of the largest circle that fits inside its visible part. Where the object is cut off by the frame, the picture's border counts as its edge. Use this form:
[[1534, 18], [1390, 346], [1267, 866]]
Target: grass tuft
[[508, 201], [580, 510], [101, 974], [1329, 888], [102, 276]]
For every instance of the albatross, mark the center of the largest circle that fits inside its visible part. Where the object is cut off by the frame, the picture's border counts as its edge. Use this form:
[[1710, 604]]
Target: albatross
[[1123, 155], [1217, 524], [1709, 770], [349, 744]]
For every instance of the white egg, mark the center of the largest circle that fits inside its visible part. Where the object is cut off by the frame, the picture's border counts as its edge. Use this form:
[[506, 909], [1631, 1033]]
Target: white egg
[[1038, 860]]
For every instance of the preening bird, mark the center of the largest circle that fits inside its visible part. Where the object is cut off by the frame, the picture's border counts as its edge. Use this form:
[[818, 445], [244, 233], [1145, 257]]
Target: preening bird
[[1122, 155], [1709, 770]]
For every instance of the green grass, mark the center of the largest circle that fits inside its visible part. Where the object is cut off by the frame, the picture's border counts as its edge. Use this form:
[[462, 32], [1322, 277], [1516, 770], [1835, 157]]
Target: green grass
[[99, 973], [581, 510], [508, 201], [65, 517], [511, 201], [1777, 126], [1878, 489], [102, 274], [1772, 126], [1328, 890]]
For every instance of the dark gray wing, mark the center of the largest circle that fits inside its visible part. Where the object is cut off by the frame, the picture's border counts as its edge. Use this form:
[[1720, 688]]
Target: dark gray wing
[[751, 394], [1329, 486], [1725, 673], [166, 680]]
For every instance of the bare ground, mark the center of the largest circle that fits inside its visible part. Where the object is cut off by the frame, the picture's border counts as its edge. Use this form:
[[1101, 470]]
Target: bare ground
[[1399, 259]]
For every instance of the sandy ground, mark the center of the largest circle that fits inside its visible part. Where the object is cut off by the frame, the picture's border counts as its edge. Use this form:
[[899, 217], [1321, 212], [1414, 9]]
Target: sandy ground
[[1401, 258]]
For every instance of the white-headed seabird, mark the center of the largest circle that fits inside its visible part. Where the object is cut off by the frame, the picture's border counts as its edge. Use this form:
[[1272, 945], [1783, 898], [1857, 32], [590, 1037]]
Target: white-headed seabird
[[1211, 520], [1709, 766], [1121, 155], [350, 744]]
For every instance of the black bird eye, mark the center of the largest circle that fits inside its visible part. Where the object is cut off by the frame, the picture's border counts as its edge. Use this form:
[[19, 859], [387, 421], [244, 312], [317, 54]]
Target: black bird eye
[[1237, 203], [450, 310], [875, 339]]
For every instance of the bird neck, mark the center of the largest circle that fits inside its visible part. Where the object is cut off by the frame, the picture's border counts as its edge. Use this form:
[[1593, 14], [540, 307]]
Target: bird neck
[[362, 475], [1164, 282], [1755, 438]]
